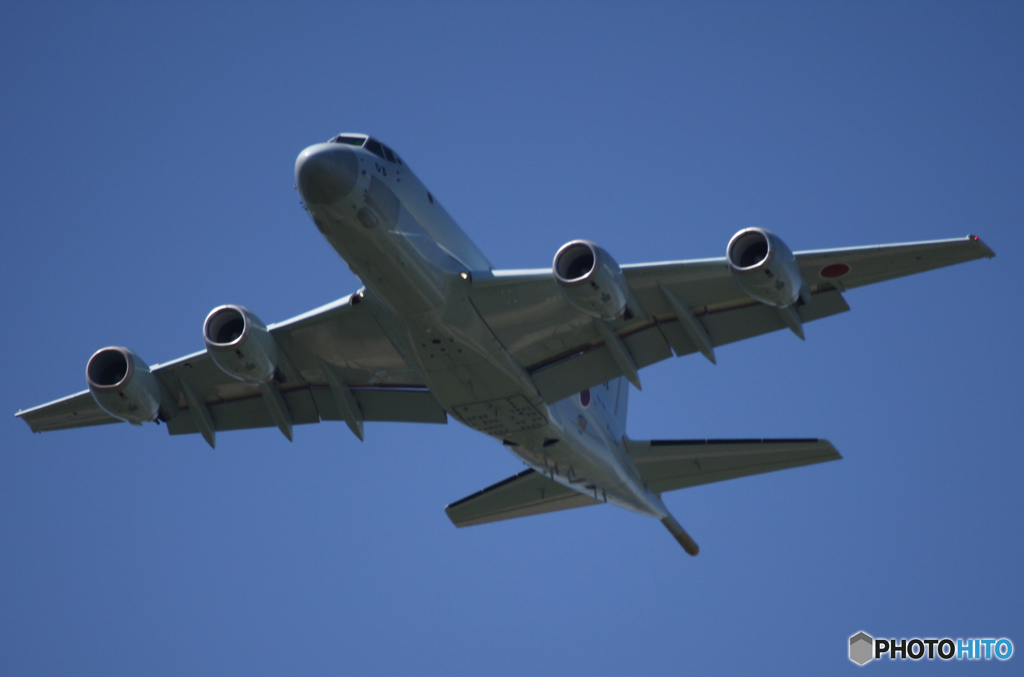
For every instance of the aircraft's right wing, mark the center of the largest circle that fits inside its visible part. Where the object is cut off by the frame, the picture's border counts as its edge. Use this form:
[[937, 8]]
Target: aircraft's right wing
[[342, 336]]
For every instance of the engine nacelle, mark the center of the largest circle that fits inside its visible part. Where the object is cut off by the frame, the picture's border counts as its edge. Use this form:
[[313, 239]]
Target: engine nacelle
[[765, 268], [123, 386], [240, 344], [591, 280]]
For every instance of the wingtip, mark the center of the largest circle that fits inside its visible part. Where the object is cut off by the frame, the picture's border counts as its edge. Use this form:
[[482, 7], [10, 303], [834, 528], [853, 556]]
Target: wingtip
[[986, 251]]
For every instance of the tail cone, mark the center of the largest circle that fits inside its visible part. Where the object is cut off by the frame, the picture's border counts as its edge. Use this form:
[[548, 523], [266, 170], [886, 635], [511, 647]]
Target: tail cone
[[680, 535]]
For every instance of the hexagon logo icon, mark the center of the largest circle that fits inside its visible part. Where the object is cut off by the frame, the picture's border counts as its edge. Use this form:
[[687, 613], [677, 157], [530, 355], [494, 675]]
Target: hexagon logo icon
[[862, 648]]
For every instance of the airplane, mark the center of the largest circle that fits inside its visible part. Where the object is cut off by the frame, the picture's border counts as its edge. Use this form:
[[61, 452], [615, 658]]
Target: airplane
[[539, 359]]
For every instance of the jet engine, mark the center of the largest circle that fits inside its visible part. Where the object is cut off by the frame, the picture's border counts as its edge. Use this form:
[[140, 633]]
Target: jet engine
[[240, 344], [123, 386], [765, 268], [591, 280]]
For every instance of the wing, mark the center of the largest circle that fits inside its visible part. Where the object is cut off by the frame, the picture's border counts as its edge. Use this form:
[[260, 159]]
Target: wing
[[666, 465], [858, 266], [342, 336], [565, 350], [74, 411], [528, 493]]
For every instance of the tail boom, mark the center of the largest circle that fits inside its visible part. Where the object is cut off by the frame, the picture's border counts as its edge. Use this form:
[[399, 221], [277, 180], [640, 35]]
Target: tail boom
[[689, 545]]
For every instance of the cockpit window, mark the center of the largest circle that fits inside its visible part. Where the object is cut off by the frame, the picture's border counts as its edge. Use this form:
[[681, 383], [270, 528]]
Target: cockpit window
[[392, 155], [375, 147], [369, 143], [349, 140]]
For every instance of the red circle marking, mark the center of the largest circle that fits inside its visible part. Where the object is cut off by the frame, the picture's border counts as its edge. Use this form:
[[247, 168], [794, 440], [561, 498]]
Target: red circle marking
[[834, 270], [585, 397]]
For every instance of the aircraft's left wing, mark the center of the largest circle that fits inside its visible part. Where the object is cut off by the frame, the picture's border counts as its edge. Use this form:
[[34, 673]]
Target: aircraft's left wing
[[341, 336], [567, 351]]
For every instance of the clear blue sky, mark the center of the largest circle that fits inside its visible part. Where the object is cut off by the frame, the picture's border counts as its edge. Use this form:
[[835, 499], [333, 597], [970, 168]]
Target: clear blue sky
[[147, 177]]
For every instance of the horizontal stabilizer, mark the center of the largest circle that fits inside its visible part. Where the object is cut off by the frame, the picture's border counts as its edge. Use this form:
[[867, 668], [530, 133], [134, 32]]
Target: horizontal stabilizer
[[665, 465], [528, 493]]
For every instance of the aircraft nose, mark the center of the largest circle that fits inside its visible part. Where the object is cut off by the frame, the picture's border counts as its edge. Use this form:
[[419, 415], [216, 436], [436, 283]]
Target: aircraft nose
[[325, 173]]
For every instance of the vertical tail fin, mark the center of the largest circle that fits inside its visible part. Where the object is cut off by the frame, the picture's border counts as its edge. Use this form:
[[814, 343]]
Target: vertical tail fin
[[614, 397], [621, 386]]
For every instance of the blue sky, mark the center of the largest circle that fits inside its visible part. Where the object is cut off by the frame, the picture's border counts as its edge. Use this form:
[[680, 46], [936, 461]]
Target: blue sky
[[147, 177]]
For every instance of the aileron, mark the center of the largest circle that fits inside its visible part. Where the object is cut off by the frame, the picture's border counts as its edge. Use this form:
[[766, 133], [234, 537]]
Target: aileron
[[74, 411], [859, 266]]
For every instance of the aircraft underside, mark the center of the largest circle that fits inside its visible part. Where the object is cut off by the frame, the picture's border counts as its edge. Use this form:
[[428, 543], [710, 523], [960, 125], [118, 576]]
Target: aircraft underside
[[541, 359], [470, 373]]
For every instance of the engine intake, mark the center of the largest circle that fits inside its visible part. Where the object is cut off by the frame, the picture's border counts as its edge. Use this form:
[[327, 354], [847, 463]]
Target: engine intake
[[765, 268], [240, 344], [591, 280], [123, 386]]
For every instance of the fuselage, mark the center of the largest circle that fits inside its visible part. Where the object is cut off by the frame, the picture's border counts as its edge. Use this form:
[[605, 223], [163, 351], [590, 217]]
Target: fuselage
[[418, 268]]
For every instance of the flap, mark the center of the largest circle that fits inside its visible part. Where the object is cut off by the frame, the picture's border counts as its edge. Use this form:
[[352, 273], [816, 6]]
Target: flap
[[594, 364], [312, 404]]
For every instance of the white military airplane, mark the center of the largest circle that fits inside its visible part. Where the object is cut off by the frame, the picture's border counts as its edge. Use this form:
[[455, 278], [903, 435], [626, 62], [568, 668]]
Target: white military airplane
[[538, 359]]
